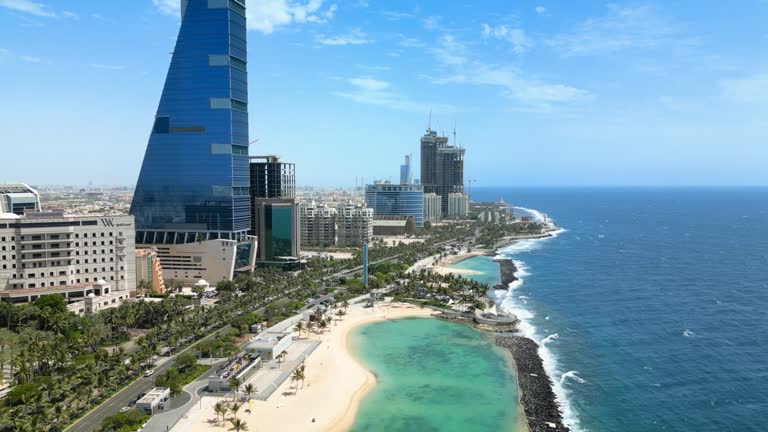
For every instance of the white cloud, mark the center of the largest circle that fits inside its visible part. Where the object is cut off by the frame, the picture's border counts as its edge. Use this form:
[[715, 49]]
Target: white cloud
[[170, 7], [372, 91], [27, 6], [461, 68], [450, 51], [70, 14], [751, 89], [31, 59], [516, 37], [395, 15], [267, 15], [407, 42], [354, 37], [623, 28], [540, 9]]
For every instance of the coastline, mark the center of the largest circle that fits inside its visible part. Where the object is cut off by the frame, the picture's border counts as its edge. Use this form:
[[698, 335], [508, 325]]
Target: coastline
[[336, 383], [538, 402]]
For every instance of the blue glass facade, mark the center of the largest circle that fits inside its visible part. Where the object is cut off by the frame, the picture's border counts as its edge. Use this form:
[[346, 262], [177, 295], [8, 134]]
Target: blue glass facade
[[391, 199], [194, 182]]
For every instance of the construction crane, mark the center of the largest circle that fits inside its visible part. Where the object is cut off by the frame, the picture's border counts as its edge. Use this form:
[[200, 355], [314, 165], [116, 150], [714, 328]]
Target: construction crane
[[469, 190]]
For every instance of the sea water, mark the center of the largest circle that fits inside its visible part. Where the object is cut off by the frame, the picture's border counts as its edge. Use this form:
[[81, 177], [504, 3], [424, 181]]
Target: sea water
[[651, 307], [486, 267], [433, 375]]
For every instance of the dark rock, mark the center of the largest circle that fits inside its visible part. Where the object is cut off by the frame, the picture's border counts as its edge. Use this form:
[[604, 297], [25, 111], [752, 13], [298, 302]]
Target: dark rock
[[507, 269], [536, 395]]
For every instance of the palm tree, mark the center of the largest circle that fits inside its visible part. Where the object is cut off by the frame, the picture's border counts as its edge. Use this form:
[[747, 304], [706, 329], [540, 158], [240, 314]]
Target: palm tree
[[295, 378], [281, 356], [235, 408], [249, 390], [220, 409], [234, 384], [340, 313], [299, 327], [238, 425]]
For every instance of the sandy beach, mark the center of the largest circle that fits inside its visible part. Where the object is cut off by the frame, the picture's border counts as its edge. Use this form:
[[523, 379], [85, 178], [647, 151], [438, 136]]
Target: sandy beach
[[335, 384]]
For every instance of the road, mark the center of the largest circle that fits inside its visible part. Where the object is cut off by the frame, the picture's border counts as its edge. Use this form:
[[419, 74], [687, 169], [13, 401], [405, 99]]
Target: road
[[92, 420]]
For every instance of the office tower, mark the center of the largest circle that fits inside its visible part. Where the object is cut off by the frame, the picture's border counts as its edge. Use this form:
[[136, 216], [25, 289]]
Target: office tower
[[388, 199], [458, 206], [17, 198], [192, 199], [50, 253], [406, 175], [318, 225], [274, 209], [432, 207], [355, 225], [442, 167]]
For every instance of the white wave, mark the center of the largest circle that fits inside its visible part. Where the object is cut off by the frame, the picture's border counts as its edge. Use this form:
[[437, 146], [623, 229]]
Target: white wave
[[550, 338], [535, 214], [507, 300], [688, 333], [572, 375]]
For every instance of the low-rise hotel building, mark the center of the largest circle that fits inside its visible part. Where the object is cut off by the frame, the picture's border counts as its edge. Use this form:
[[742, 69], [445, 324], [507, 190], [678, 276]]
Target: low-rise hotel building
[[50, 253]]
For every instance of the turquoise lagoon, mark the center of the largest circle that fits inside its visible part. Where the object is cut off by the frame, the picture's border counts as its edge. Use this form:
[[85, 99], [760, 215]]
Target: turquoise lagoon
[[434, 375], [488, 268]]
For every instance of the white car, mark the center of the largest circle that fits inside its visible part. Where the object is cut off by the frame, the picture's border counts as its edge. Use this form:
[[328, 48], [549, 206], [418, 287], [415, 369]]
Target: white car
[[149, 373], [124, 409]]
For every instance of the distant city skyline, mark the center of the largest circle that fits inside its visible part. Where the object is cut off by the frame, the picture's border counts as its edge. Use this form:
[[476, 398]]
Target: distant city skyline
[[542, 93]]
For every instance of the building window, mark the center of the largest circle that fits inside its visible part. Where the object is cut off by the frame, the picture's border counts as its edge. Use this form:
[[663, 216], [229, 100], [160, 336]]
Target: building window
[[162, 126], [240, 150], [221, 149], [239, 105], [237, 63], [221, 103], [218, 60]]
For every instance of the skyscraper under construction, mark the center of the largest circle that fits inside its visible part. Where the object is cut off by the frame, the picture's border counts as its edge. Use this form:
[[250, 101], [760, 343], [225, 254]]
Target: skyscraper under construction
[[442, 167]]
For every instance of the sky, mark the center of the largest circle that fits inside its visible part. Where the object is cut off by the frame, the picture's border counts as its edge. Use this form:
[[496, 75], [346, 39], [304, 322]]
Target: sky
[[541, 93]]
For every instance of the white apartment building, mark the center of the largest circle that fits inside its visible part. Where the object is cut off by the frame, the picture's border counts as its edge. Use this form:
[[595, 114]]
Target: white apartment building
[[432, 207], [458, 206], [49, 253], [318, 225], [355, 225]]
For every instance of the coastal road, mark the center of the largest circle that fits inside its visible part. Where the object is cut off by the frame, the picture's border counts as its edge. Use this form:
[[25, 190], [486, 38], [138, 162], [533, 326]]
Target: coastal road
[[92, 420]]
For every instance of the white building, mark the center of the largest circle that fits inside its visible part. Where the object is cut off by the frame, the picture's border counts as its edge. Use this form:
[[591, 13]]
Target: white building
[[355, 225], [432, 207], [152, 400], [318, 225], [458, 206], [49, 253], [17, 198]]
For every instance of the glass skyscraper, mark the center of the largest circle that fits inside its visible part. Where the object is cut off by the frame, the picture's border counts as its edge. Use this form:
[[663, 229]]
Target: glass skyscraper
[[387, 199], [194, 182]]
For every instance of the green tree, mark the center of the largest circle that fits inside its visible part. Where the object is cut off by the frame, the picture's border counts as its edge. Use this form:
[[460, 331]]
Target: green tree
[[238, 425]]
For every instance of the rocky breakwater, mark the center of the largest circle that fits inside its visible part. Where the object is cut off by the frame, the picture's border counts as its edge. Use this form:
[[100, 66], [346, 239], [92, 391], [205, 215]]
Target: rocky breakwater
[[542, 411], [507, 270]]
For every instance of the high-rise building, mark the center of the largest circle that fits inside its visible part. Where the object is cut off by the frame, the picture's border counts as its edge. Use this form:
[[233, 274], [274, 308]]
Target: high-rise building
[[355, 225], [388, 199], [432, 207], [318, 225], [192, 197], [458, 206], [274, 209], [406, 175], [442, 167], [50, 253], [17, 198]]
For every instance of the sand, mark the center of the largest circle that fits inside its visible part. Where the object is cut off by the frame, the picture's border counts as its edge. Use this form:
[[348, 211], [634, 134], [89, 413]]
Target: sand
[[335, 384]]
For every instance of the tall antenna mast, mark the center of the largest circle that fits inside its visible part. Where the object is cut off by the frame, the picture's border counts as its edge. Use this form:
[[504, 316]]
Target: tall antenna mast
[[429, 125], [454, 132]]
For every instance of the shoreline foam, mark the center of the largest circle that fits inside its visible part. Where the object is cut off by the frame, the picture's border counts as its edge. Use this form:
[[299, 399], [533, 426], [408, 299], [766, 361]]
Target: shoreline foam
[[506, 299]]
